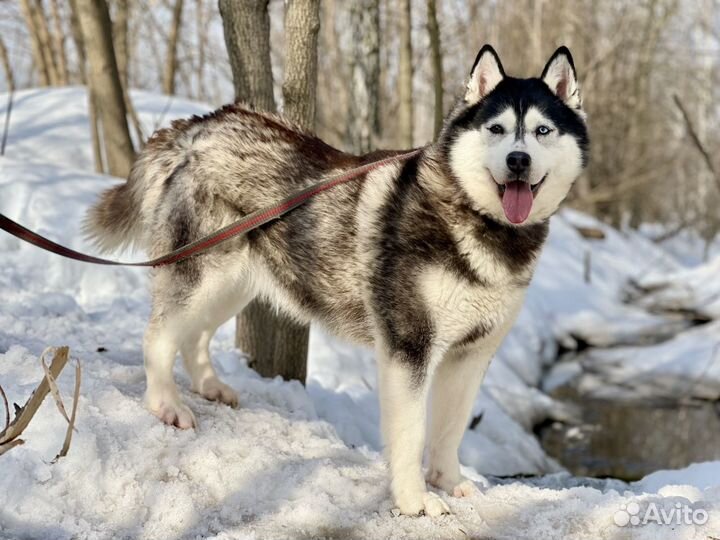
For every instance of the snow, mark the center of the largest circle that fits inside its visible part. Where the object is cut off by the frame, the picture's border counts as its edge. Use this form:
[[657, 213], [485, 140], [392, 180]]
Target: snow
[[293, 461], [695, 290], [684, 367]]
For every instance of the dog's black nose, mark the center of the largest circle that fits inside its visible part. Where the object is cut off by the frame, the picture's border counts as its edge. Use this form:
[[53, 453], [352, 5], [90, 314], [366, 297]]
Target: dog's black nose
[[518, 162]]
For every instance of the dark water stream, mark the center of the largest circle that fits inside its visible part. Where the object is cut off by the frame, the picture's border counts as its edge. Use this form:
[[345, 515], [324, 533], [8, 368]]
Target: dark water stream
[[630, 439]]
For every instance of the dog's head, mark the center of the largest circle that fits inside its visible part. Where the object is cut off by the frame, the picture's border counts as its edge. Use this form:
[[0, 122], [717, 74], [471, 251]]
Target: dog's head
[[517, 145]]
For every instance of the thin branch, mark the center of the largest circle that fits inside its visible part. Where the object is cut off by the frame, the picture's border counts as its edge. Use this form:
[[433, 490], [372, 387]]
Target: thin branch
[[54, 390], [73, 412], [696, 140], [7, 408]]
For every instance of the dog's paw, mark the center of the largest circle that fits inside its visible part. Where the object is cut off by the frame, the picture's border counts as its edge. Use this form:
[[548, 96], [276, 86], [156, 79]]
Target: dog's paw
[[215, 390], [466, 488], [422, 503], [175, 414], [457, 487]]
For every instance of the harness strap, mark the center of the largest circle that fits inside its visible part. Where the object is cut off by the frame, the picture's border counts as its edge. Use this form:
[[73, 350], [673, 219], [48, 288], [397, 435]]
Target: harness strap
[[243, 225]]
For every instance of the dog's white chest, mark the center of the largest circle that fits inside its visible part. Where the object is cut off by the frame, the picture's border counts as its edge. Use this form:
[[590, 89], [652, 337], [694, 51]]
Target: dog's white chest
[[461, 309]]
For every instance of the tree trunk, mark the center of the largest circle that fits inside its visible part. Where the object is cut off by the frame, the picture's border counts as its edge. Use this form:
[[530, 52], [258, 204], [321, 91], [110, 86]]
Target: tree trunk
[[5, 61], [437, 68], [106, 86], [120, 40], [120, 26], [302, 25], [28, 11], [77, 36], [405, 77], [59, 44], [46, 44], [247, 38], [364, 105], [275, 344], [95, 132], [202, 41], [171, 59], [79, 41]]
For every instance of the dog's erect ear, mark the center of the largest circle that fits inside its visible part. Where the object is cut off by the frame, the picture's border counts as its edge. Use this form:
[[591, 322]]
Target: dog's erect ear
[[559, 74], [486, 73]]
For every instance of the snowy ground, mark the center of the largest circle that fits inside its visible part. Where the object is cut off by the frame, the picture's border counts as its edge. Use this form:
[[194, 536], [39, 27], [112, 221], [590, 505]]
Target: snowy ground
[[293, 462]]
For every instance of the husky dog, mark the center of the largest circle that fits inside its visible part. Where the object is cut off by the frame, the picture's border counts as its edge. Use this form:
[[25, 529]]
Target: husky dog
[[427, 259]]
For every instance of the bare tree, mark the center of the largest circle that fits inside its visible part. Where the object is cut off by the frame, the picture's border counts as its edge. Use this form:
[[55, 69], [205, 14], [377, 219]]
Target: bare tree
[[172, 45], [276, 344], [105, 85], [5, 61], [247, 37], [46, 44], [202, 41], [79, 41], [247, 29], [76, 31], [120, 31], [281, 344], [29, 8], [437, 65], [120, 23], [59, 44], [302, 25], [365, 83], [334, 118], [405, 76]]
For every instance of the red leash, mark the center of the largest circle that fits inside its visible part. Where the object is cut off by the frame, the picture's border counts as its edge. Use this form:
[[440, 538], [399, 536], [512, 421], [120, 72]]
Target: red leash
[[241, 226]]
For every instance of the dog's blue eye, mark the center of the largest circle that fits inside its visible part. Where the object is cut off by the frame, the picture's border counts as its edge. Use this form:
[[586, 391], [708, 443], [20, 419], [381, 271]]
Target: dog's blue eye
[[497, 129], [543, 130]]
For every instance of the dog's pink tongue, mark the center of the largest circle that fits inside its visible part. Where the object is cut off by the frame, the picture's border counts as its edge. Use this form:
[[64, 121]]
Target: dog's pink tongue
[[517, 201]]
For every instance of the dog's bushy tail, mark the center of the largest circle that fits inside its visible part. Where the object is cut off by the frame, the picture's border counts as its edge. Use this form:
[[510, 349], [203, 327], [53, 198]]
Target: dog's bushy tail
[[120, 219], [114, 222]]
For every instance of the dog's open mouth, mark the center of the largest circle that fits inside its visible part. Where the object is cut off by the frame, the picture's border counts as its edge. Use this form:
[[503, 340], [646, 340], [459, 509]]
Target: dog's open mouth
[[517, 199]]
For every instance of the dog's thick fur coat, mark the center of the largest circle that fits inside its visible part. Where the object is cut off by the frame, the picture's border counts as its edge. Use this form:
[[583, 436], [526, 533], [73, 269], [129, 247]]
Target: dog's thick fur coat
[[417, 259]]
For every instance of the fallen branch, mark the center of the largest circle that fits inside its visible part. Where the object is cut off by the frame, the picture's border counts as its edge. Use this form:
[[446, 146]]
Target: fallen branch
[[591, 233], [9, 438]]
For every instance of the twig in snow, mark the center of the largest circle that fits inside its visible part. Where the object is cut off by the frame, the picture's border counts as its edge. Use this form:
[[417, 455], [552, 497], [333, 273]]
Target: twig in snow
[[7, 408], [71, 423], [53, 387], [6, 129], [10, 436]]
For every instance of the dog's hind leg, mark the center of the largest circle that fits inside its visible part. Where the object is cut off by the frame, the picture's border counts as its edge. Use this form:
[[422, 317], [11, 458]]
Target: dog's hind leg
[[403, 407], [185, 317], [160, 349], [455, 385], [196, 357]]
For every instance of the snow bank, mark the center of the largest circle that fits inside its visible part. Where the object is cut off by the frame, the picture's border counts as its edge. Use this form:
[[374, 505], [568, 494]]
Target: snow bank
[[695, 290]]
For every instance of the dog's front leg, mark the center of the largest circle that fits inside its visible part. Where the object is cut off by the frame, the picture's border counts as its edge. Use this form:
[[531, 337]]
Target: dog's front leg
[[454, 388], [403, 389]]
